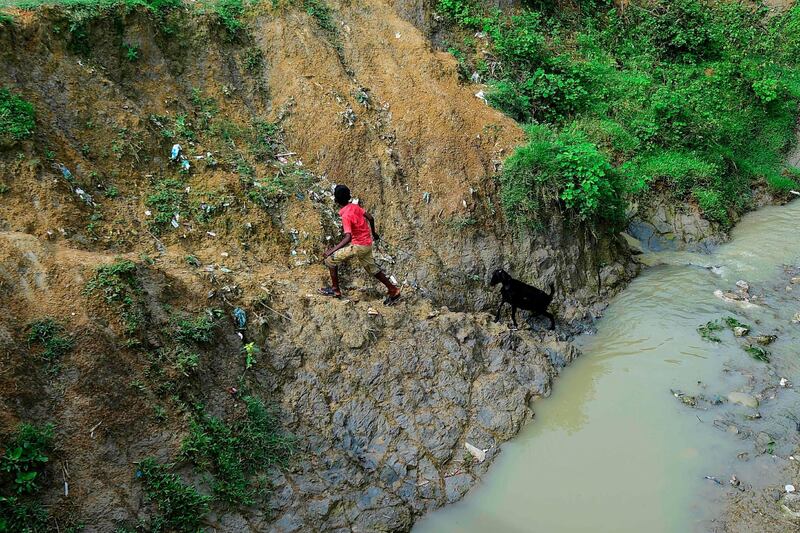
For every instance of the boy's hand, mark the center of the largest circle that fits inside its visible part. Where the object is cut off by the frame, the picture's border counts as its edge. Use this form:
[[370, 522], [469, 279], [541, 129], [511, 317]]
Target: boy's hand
[[327, 253]]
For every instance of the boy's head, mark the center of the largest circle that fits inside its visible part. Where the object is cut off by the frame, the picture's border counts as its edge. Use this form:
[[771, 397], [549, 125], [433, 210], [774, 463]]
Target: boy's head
[[342, 195]]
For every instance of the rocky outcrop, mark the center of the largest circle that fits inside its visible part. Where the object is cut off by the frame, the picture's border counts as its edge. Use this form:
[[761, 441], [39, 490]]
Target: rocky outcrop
[[386, 402]]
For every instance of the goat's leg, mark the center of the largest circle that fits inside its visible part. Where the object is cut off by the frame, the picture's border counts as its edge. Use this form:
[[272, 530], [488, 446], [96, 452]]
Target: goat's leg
[[499, 308], [514, 315], [552, 320]]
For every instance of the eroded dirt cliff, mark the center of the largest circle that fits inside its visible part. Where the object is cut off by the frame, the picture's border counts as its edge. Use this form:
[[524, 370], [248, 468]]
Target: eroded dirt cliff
[[381, 400]]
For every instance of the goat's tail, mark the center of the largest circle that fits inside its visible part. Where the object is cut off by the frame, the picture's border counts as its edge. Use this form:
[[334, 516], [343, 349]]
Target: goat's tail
[[552, 289]]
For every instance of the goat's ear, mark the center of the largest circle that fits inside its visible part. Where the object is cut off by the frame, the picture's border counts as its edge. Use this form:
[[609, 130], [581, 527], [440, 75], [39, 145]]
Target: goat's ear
[[505, 276]]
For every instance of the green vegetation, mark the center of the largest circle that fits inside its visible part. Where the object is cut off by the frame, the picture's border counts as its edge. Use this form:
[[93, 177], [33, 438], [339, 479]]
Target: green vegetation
[[696, 98], [732, 323], [119, 285], [234, 453], [131, 52], [709, 331], [17, 118], [181, 507], [24, 458], [168, 200], [198, 330], [758, 353], [322, 14], [50, 335]]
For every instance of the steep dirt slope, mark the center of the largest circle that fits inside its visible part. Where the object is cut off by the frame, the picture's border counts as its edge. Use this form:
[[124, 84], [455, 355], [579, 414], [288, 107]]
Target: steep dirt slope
[[381, 400]]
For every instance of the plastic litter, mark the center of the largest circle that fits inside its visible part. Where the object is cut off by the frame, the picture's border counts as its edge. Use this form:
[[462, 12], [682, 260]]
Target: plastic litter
[[240, 317], [372, 311], [83, 195], [480, 95], [176, 152], [477, 453], [185, 164], [789, 489], [784, 383], [426, 197], [715, 480]]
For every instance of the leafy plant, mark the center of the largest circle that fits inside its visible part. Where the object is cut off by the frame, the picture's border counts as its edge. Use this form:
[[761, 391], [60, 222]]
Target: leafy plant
[[118, 284], [708, 331], [25, 457], [180, 506], [250, 351], [17, 118], [131, 51], [199, 329], [321, 13], [233, 453], [758, 353], [50, 335]]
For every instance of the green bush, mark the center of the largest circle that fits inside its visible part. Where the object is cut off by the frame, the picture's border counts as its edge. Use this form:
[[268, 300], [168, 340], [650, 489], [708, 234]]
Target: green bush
[[699, 96], [195, 330], [181, 507], [119, 286], [234, 453], [25, 458], [49, 334], [575, 168], [17, 118]]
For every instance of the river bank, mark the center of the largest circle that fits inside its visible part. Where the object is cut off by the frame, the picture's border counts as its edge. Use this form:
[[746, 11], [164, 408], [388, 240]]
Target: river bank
[[644, 431]]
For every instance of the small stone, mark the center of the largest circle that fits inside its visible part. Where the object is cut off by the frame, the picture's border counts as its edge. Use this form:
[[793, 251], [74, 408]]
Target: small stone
[[742, 284], [796, 318], [795, 280], [789, 489], [765, 340], [743, 398], [784, 383]]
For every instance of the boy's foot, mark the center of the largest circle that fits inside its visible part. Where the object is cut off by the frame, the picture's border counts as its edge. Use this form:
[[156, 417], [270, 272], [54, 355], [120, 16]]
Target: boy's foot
[[327, 291], [392, 299]]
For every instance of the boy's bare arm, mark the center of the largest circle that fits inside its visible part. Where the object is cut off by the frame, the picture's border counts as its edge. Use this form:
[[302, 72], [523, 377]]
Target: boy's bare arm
[[344, 242]]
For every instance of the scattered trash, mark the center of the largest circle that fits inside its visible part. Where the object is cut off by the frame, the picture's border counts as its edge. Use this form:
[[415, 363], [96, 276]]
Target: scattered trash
[[372, 311], [66, 173], [185, 165], [477, 453], [348, 116], [83, 195], [233, 391], [240, 317], [397, 35], [480, 95], [735, 482], [743, 285], [691, 401], [224, 254], [211, 234], [94, 428], [796, 318], [426, 197], [147, 213], [715, 480], [795, 192], [765, 340], [740, 331], [174, 221], [731, 297], [176, 152], [475, 78], [789, 489], [784, 383]]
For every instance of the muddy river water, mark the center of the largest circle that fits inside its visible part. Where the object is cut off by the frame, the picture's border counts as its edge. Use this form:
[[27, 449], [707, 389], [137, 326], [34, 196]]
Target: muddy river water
[[613, 449]]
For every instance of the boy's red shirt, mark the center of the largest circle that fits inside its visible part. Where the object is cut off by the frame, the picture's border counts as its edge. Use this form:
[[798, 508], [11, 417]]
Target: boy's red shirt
[[354, 223]]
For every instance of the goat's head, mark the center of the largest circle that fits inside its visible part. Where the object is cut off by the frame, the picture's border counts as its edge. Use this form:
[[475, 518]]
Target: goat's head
[[499, 276]]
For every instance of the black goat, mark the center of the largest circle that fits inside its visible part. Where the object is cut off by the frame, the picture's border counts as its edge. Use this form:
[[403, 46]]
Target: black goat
[[523, 296]]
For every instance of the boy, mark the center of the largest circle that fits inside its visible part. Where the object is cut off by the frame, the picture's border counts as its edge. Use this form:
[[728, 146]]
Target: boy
[[359, 232]]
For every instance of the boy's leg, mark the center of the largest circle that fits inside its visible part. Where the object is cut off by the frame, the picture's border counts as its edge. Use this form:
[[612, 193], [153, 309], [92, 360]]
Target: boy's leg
[[392, 288], [332, 262], [334, 270], [368, 262]]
